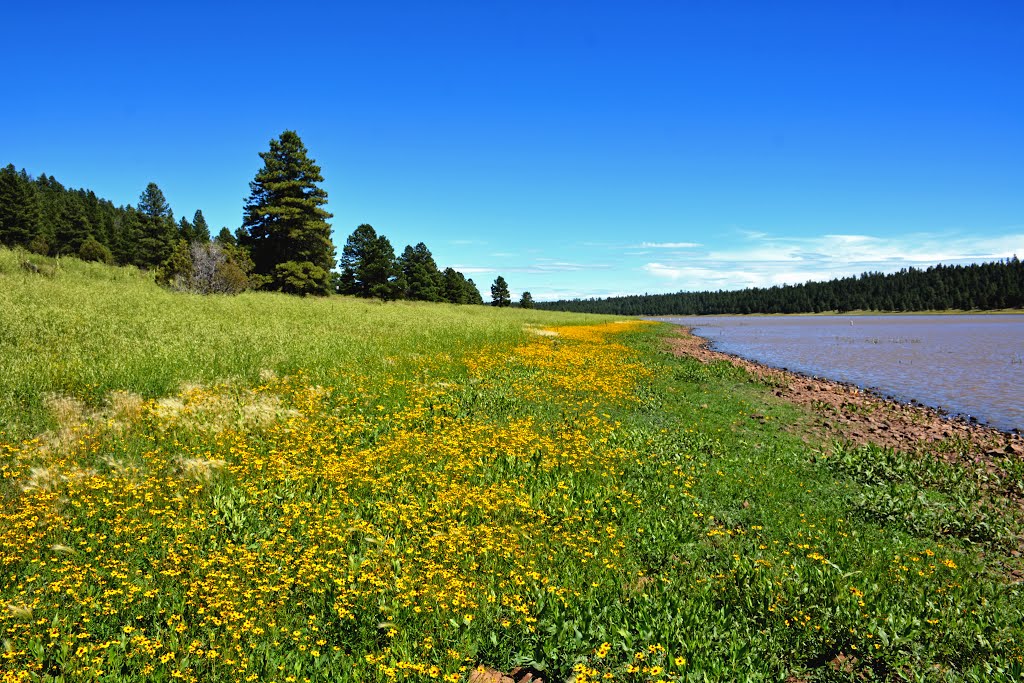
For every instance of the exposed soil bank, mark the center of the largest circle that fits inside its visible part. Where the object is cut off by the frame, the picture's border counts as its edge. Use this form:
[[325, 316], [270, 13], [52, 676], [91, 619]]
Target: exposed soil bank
[[848, 413]]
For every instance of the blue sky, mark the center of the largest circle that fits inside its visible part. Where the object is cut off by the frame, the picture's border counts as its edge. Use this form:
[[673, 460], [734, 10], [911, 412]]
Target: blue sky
[[577, 148]]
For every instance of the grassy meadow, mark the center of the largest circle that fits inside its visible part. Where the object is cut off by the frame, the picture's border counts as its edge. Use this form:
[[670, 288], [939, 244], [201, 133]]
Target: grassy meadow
[[266, 488]]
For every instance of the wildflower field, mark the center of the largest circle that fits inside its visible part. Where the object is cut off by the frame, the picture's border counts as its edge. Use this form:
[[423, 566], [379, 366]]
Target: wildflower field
[[266, 488]]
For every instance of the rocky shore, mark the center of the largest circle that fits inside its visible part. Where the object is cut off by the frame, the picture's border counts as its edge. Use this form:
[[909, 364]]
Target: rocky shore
[[848, 413]]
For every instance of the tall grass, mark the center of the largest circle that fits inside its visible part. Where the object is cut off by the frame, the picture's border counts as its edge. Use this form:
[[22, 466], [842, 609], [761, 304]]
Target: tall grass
[[84, 330]]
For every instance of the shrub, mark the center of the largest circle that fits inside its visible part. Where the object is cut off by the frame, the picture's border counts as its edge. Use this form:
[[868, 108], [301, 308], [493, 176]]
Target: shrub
[[304, 277], [92, 250], [39, 245]]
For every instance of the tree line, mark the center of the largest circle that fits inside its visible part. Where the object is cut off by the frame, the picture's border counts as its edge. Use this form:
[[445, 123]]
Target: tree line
[[369, 268], [41, 215], [284, 243], [978, 286]]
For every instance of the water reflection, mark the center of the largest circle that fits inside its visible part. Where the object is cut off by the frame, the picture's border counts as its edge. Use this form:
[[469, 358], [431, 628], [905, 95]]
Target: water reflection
[[966, 364]]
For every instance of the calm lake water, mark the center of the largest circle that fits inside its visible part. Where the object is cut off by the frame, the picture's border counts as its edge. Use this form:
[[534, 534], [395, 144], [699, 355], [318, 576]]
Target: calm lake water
[[966, 364]]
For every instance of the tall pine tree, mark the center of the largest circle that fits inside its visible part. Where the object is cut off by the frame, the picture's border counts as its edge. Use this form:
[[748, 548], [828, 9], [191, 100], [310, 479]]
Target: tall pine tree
[[499, 293], [420, 276], [285, 227], [158, 233], [200, 230], [19, 209], [368, 266]]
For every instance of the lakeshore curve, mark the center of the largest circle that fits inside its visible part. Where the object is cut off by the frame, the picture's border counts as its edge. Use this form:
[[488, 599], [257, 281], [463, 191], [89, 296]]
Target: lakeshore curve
[[848, 413]]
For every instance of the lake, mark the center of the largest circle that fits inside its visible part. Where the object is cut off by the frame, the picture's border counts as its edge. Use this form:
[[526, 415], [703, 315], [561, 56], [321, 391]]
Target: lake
[[971, 365]]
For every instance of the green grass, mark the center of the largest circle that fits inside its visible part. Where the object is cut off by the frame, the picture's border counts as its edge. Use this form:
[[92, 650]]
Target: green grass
[[84, 330], [425, 488]]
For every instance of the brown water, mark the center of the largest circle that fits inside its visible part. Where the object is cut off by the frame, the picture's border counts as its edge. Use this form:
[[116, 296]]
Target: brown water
[[971, 365]]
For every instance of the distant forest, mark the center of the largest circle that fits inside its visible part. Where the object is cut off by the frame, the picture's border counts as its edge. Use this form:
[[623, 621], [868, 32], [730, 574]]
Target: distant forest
[[985, 286]]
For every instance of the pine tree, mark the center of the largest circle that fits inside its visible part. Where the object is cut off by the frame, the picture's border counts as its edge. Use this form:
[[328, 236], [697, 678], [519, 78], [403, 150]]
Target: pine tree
[[200, 230], [185, 231], [368, 266], [19, 209], [499, 293], [420, 276], [285, 227], [72, 232], [473, 295], [455, 287], [152, 202], [158, 232], [526, 301], [225, 237]]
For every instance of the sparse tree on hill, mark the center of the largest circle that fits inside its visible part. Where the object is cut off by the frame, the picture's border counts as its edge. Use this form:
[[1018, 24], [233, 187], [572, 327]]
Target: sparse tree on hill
[[285, 226], [526, 301], [499, 293]]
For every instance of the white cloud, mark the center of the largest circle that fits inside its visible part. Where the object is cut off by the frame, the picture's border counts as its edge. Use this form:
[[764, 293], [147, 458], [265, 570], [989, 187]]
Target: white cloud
[[762, 260], [665, 245]]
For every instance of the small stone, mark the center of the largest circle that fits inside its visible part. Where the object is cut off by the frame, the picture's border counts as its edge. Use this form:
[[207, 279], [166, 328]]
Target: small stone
[[487, 675]]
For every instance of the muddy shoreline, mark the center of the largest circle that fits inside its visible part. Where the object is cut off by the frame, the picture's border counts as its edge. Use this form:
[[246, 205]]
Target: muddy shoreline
[[848, 413]]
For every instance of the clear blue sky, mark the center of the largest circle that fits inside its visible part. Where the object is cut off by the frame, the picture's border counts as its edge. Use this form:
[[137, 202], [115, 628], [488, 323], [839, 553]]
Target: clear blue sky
[[577, 148]]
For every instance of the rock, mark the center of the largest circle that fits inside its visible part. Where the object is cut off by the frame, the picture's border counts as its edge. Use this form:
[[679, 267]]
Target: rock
[[488, 675], [520, 674], [527, 674]]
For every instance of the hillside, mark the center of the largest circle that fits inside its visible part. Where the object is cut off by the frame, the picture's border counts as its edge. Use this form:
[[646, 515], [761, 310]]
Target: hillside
[[84, 329], [276, 488]]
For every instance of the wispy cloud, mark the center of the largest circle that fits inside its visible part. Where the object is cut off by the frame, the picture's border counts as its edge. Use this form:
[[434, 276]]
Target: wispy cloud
[[665, 245], [763, 260], [540, 266], [547, 266], [466, 270]]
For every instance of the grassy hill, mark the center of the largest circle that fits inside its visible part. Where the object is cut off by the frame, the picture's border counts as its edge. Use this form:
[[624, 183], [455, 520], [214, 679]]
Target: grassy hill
[[279, 489], [72, 328]]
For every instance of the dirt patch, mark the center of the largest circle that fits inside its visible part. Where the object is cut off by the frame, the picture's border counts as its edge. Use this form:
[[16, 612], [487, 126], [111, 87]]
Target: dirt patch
[[847, 413]]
